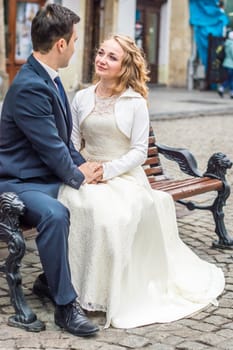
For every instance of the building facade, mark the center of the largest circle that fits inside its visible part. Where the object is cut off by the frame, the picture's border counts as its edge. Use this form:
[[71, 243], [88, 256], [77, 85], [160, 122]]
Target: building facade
[[160, 27]]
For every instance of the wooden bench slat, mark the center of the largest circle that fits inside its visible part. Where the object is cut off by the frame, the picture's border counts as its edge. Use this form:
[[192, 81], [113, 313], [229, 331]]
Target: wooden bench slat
[[151, 140], [154, 171], [184, 182], [188, 188], [204, 181], [152, 151], [152, 161], [160, 177]]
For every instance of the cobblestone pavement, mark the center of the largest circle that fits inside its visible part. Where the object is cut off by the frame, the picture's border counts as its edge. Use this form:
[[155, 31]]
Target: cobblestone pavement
[[212, 328]]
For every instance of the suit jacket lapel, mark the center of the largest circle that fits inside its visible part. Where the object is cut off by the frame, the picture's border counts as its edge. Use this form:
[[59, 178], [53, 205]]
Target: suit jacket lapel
[[44, 75]]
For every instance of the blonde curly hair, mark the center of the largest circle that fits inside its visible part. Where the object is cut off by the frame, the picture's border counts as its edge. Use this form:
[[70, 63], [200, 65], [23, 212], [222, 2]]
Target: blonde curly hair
[[135, 73]]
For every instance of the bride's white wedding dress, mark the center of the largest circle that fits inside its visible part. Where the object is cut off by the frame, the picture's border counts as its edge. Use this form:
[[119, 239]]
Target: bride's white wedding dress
[[125, 253]]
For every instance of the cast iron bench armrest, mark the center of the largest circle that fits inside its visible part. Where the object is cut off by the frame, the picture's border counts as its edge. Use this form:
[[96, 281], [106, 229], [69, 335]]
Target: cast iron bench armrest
[[217, 164], [185, 159]]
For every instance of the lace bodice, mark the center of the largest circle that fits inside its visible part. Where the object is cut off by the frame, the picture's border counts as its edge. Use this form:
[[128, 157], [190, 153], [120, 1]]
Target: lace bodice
[[103, 140]]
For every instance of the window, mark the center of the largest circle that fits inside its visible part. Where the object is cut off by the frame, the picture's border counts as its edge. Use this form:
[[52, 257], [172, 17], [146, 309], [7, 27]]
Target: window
[[24, 15]]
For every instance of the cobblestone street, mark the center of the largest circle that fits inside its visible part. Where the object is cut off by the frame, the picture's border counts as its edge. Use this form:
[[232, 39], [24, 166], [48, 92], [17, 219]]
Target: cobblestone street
[[209, 329]]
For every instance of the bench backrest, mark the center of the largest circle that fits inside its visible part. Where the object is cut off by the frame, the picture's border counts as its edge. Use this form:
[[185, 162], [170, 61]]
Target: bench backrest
[[152, 165]]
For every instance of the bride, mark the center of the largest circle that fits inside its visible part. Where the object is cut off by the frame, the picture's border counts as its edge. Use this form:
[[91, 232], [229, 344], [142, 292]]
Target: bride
[[126, 256]]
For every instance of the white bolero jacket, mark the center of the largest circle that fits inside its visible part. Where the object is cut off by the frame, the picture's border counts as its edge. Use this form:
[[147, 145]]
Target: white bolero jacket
[[132, 119]]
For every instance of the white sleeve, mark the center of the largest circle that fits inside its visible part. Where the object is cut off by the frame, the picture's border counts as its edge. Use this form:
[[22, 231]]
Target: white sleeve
[[138, 145], [76, 134]]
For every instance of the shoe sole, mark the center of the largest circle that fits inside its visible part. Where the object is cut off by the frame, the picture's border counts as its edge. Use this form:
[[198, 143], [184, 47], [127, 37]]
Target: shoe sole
[[77, 334]]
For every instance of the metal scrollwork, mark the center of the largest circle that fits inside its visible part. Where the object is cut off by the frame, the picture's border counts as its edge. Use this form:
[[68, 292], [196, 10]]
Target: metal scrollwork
[[11, 208]]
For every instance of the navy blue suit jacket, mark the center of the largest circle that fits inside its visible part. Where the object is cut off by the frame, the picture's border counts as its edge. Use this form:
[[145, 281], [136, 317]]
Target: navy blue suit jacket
[[35, 130]]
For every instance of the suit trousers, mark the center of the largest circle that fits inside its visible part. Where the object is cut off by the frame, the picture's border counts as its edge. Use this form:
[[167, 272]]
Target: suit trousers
[[51, 218]]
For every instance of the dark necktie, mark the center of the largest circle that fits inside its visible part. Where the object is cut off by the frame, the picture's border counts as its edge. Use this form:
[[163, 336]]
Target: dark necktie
[[61, 89]]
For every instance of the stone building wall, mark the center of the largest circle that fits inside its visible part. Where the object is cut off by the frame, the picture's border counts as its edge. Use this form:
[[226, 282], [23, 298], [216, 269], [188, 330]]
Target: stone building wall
[[180, 43]]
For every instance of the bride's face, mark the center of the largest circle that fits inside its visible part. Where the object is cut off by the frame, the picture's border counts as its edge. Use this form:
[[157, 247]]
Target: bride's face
[[108, 61]]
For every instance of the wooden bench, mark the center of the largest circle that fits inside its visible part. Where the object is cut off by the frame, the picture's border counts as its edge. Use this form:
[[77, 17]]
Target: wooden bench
[[213, 180]]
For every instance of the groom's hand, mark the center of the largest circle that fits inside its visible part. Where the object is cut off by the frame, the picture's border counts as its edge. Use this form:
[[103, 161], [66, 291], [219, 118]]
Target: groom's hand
[[92, 171]]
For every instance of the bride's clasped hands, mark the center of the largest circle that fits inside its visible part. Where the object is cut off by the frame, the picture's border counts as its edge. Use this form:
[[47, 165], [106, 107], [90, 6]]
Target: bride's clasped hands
[[93, 172]]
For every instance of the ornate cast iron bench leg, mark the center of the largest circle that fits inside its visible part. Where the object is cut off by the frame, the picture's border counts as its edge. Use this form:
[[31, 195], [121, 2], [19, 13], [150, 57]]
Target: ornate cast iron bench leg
[[216, 168], [224, 240], [10, 210]]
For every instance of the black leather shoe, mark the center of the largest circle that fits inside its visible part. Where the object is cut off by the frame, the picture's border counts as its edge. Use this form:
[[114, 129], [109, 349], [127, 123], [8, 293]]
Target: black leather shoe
[[73, 319], [41, 288]]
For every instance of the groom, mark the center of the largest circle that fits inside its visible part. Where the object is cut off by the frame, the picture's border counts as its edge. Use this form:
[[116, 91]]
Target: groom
[[37, 156]]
